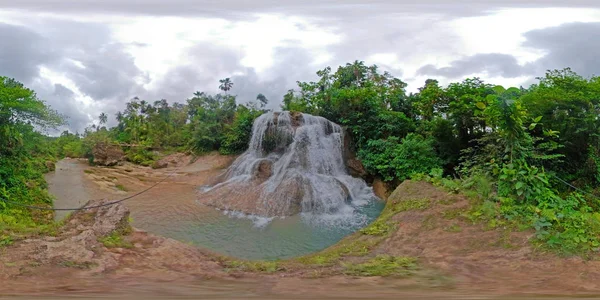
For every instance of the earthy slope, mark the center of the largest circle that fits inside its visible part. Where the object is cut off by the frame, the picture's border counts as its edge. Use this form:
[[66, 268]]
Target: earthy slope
[[422, 245]]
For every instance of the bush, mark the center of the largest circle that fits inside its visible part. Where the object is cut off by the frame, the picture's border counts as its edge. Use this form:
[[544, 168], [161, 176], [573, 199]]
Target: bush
[[74, 149], [394, 159], [238, 134], [140, 156]]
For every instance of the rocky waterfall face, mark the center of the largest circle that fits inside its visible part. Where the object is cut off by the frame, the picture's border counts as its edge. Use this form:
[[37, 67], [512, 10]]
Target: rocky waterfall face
[[294, 164]]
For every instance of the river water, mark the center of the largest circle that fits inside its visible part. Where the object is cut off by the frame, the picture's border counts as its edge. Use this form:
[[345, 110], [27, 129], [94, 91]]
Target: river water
[[68, 186], [171, 210], [246, 236]]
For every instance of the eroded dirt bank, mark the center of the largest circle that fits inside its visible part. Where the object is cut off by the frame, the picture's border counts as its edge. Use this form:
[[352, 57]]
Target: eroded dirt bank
[[96, 253]]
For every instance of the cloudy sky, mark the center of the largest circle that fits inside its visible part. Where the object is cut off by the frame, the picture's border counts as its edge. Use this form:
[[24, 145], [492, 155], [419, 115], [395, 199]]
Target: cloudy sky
[[90, 56]]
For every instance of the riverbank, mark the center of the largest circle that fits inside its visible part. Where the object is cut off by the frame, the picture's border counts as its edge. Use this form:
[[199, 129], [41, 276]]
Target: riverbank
[[421, 246]]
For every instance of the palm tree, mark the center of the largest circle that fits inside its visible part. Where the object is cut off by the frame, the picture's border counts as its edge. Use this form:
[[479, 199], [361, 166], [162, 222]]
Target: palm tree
[[119, 116], [103, 118], [226, 84]]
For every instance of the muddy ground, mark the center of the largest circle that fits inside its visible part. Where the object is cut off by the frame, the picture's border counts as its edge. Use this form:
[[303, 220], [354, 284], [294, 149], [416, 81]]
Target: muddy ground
[[455, 258]]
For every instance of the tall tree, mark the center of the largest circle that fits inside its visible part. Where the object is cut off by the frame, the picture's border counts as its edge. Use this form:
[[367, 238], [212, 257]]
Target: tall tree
[[103, 118], [226, 84], [262, 100]]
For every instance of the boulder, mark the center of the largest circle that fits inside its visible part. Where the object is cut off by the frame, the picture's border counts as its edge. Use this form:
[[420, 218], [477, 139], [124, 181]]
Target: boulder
[[106, 154], [381, 189], [356, 168], [160, 164], [264, 169]]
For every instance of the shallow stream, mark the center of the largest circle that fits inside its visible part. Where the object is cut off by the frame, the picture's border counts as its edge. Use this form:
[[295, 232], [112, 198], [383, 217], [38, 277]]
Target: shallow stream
[[171, 210]]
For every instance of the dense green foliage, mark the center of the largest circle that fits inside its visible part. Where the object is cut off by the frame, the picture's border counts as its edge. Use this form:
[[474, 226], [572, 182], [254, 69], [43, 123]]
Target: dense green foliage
[[531, 155], [522, 142], [204, 123], [399, 159], [23, 154]]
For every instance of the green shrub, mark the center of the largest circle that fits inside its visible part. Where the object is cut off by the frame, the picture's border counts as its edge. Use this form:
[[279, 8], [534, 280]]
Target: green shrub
[[140, 156], [382, 265], [115, 240], [238, 134], [399, 159]]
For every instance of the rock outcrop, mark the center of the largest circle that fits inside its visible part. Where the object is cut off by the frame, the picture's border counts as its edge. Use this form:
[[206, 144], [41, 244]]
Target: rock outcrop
[[106, 154], [353, 164], [77, 242], [173, 160], [381, 189]]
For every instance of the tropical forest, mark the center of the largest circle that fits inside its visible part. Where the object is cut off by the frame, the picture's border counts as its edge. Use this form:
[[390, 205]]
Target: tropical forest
[[349, 176]]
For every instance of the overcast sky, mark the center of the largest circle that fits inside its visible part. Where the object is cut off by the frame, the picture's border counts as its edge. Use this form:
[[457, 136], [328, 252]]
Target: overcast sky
[[90, 56]]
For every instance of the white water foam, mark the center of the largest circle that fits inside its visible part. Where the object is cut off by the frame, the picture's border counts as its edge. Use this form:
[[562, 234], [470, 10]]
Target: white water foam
[[304, 155], [258, 221]]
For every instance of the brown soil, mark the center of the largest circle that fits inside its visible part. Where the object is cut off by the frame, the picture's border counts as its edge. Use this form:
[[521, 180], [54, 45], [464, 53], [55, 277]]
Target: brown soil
[[499, 260], [457, 259]]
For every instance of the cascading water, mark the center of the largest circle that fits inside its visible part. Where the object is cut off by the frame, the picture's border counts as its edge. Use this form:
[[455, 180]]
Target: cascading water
[[294, 164]]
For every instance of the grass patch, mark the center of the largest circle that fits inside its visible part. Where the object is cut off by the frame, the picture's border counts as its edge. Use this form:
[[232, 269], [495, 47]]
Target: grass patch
[[16, 227], [429, 223], [383, 225], [253, 266], [453, 228], [330, 256], [88, 171], [361, 243], [115, 240], [382, 265], [5, 240], [121, 187], [452, 213]]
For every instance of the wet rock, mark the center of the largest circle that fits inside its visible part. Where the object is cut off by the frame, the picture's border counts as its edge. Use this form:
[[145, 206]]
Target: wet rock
[[264, 169], [353, 164], [106, 154], [381, 189], [356, 168], [297, 119]]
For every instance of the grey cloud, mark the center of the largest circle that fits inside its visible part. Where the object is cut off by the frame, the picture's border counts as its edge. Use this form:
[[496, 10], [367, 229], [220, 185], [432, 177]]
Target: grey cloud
[[494, 64], [208, 63], [240, 8], [83, 52], [63, 100], [289, 65], [22, 52], [106, 70], [572, 45], [569, 45]]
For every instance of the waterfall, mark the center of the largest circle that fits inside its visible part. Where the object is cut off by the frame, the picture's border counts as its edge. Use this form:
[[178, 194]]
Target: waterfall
[[294, 164]]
